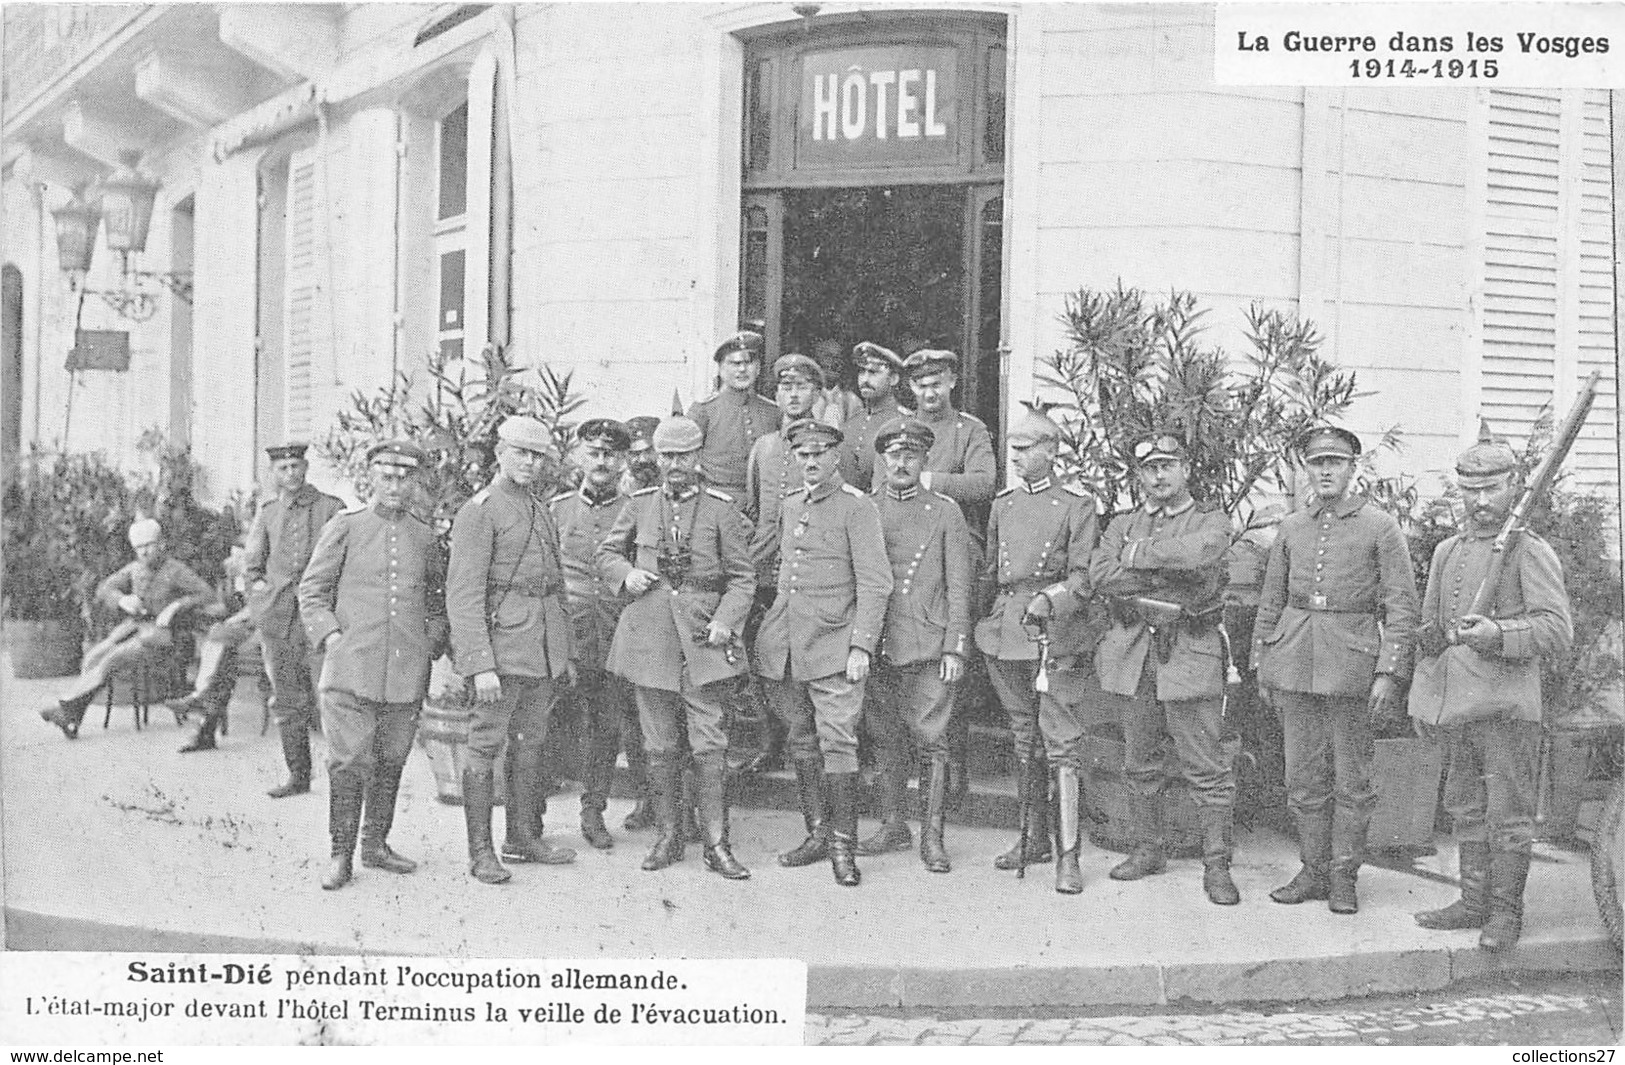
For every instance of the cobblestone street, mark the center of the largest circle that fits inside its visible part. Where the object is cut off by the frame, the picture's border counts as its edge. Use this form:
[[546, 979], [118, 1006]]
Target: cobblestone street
[[1571, 1011]]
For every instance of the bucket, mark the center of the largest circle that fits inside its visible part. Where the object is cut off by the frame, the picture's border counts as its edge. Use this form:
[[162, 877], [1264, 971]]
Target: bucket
[[443, 735]]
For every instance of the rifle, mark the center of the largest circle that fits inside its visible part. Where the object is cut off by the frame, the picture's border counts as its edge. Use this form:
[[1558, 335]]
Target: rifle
[[1544, 474]]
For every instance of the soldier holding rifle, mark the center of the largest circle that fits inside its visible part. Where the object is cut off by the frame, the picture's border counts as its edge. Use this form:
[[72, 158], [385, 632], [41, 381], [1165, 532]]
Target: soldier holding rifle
[[1162, 569], [1494, 607]]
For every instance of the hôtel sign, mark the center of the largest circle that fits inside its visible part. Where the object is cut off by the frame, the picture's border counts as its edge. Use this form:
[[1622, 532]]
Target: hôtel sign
[[877, 107]]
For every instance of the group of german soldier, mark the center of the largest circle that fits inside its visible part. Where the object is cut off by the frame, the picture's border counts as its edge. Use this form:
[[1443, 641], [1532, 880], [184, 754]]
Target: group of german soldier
[[759, 543]]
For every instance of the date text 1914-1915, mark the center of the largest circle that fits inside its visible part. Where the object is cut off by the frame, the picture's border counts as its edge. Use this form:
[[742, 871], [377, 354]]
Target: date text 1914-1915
[[1453, 69]]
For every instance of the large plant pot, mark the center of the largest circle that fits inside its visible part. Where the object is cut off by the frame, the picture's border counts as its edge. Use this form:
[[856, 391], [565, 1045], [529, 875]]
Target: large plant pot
[[1406, 773], [1107, 794], [42, 648], [443, 735]]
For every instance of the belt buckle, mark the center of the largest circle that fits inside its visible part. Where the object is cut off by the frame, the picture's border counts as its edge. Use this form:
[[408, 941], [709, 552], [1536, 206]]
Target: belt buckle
[[1317, 601]]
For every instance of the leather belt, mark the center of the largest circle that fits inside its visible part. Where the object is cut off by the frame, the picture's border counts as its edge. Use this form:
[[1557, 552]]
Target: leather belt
[[546, 591], [1320, 604]]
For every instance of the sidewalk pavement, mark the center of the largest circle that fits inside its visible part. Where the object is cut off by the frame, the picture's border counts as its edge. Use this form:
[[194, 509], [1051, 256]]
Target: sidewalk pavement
[[116, 842]]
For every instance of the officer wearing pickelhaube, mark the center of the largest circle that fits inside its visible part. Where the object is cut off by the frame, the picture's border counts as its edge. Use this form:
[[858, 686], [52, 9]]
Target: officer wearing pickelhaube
[[924, 643], [1331, 647], [819, 637], [1039, 538], [880, 370], [511, 637], [734, 417], [277, 550], [772, 473], [1477, 690], [1161, 568], [373, 599], [681, 553], [584, 517]]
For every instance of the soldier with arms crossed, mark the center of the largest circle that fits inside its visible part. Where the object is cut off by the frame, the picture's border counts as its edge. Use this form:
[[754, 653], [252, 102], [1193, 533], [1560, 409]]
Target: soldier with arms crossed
[[1331, 648], [1477, 690], [381, 569]]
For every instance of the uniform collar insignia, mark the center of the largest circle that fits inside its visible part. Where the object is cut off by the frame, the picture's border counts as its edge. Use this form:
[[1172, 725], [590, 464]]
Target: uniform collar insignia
[[904, 495], [824, 490], [597, 501], [685, 495], [1172, 512], [1035, 487]]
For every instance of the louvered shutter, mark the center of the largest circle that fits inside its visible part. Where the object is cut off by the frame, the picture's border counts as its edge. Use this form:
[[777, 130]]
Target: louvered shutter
[[1548, 266], [302, 341]]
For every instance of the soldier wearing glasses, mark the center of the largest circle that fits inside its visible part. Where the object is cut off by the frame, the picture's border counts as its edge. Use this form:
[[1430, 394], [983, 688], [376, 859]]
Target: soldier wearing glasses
[[584, 518], [1162, 569], [681, 552], [1331, 648], [1477, 690], [924, 643], [381, 570], [511, 637], [818, 639], [1039, 536], [734, 417]]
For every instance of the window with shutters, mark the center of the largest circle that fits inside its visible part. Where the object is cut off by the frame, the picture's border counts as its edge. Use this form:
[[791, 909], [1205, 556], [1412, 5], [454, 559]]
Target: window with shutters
[[1548, 308], [451, 227], [302, 328]]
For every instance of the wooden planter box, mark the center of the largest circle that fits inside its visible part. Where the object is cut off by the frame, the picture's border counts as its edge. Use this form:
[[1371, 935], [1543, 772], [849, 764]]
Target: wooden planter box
[[1106, 793], [1406, 773]]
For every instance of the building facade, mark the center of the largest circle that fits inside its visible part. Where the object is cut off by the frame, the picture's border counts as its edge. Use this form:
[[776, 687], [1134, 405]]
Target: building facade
[[608, 188]]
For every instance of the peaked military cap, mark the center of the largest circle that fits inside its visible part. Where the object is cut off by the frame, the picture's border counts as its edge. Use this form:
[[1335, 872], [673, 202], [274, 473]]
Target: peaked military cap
[[902, 434], [642, 432], [527, 433], [678, 435], [402, 453], [1491, 456], [745, 341], [866, 352], [793, 363], [1324, 440], [287, 451], [607, 431], [1154, 446], [930, 360], [811, 431]]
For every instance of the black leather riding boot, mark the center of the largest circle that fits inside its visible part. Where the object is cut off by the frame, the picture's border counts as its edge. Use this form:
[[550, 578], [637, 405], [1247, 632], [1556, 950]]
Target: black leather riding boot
[[1217, 846], [1509, 873], [664, 774], [1068, 793], [1471, 910], [843, 831], [934, 782], [1032, 793], [893, 834], [714, 818], [296, 752], [344, 800], [1312, 882], [477, 796], [379, 818], [810, 784]]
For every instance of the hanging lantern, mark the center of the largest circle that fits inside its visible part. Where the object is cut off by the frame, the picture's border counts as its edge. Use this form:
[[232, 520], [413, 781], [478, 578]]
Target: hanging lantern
[[76, 223], [127, 197]]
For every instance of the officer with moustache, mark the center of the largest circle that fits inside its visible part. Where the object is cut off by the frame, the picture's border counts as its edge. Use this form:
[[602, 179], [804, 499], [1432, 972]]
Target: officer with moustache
[[818, 639], [734, 417], [681, 553], [279, 545], [879, 372], [511, 639], [924, 642], [1039, 536], [1162, 569], [772, 473], [380, 569], [1331, 647], [1477, 691], [584, 518]]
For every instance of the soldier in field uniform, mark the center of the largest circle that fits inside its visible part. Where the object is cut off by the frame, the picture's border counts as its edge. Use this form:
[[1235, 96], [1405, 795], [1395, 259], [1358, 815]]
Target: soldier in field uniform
[[511, 637], [280, 542], [681, 552], [1477, 691], [584, 518], [373, 599], [924, 643], [1162, 569], [879, 372], [1039, 538], [1331, 647], [734, 417], [818, 639]]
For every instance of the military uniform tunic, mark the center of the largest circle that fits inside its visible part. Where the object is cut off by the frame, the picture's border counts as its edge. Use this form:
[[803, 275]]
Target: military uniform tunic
[[1175, 554], [770, 476], [928, 616], [1336, 608], [659, 644], [136, 639], [732, 422], [377, 578], [961, 460], [1489, 705], [834, 583], [505, 599], [858, 462], [1039, 536], [279, 546]]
